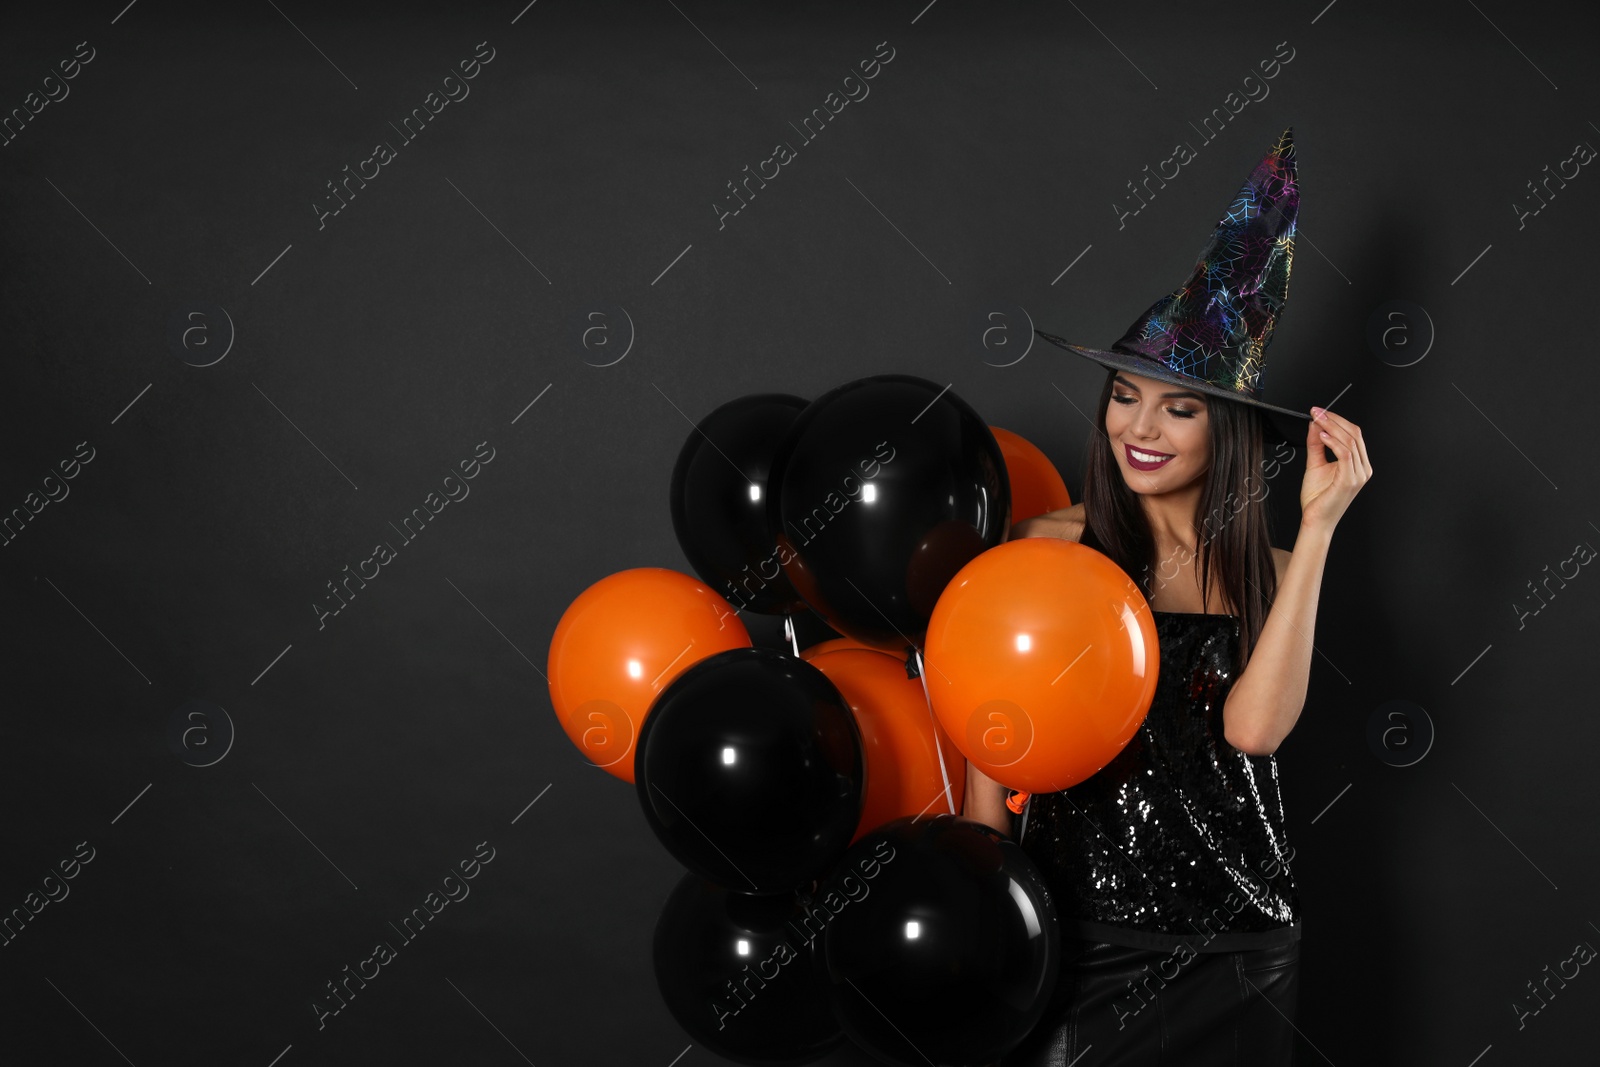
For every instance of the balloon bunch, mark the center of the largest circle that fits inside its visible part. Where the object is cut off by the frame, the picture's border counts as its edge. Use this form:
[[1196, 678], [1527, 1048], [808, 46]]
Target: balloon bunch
[[778, 777]]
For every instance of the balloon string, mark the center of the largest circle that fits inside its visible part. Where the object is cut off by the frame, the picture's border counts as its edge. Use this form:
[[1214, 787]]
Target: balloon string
[[944, 773]]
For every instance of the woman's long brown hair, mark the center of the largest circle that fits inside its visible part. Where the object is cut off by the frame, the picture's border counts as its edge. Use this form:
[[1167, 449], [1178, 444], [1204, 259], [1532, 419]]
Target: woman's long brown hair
[[1230, 527]]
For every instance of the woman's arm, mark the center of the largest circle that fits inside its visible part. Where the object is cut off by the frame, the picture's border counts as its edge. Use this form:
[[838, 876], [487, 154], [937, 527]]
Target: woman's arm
[[986, 801], [1265, 702]]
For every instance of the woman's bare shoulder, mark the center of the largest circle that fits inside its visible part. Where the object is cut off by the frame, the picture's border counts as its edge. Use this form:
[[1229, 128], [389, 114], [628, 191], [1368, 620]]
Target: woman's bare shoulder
[[1067, 523]]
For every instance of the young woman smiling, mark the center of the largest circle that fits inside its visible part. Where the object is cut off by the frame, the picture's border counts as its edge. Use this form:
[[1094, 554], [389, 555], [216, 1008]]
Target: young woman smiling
[[1169, 867]]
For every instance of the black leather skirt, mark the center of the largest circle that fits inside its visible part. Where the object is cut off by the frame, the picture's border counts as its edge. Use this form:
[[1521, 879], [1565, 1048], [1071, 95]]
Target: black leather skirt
[[1115, 1006]]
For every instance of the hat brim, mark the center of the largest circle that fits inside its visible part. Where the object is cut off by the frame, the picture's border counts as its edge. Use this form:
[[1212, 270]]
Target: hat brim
[[1149, 368]]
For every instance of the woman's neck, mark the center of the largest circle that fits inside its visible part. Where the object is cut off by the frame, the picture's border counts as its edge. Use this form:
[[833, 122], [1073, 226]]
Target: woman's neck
[[1171, 516]]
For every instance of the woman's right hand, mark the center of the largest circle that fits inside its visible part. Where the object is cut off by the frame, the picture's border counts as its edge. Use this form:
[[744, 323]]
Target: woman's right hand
[[1329, 486], [1067, 523]]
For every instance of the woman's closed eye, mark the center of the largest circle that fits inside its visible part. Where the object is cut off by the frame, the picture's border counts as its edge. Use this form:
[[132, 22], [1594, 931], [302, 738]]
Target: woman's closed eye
[[1182, 413]]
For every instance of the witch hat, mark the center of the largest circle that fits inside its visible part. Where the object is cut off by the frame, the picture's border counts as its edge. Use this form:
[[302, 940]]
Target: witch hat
[[1211, 334]]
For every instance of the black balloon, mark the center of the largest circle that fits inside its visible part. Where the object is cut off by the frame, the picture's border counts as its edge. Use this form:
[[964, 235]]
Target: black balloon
[[751, 771], [719, 502], [882, 490], [943, 946], [736, 972]]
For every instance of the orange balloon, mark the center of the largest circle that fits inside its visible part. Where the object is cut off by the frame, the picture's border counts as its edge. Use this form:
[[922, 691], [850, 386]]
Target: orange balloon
[[1042, 660], [620, 643], [897, 734], [834, 645], [1036, 485]]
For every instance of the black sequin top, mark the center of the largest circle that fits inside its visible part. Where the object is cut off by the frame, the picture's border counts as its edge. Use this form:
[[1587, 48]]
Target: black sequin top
[[1180, 838]]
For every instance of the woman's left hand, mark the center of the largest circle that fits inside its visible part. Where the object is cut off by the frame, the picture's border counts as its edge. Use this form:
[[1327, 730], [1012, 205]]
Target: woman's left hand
[[1330, 485]]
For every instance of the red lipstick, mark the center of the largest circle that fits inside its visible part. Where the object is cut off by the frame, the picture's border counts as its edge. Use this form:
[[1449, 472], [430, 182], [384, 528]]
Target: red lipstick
[[1144, 465]]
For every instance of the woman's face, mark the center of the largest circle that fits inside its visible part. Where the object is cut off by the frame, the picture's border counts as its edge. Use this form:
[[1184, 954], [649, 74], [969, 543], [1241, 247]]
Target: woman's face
[[1150, 420]]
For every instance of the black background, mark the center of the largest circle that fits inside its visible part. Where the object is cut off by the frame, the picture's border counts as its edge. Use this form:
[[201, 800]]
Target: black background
[[580, 175]]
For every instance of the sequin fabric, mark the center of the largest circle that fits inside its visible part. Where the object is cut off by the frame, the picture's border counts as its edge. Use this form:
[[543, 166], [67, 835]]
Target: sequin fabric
[[1181, 833]]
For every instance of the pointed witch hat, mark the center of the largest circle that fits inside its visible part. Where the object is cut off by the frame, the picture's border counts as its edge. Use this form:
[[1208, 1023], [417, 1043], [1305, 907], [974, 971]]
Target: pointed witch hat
[[1211, 334]]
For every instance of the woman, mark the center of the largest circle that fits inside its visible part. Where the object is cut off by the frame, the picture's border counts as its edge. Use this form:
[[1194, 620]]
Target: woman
[[1130, 991], [1169, 867]]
